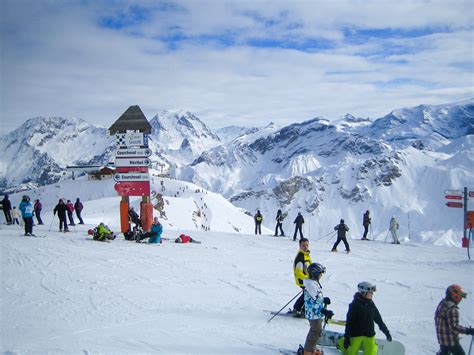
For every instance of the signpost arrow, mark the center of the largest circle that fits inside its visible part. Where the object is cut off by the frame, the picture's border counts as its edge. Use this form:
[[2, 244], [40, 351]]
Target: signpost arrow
[[133, 153], [454, 204], [453, 197], [132, 177], [135, 188], [132, 169], [122, 162], [453, 192], [471, 193]]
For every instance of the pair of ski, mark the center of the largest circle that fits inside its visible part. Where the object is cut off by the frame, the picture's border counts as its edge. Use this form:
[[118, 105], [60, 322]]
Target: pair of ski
[[292, 314]]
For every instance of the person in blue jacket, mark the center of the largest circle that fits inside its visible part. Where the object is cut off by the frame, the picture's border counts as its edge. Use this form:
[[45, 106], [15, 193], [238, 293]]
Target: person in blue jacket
[[26, 208], [155, 231]]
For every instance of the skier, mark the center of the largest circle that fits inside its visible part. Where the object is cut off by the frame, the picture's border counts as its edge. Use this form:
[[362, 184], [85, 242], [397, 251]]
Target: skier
[[70, 210], [186, 239], [7, 207], [134, 217], [360, 320], [341, 229], [26, 208], [61, 209], [300, 270], [15, 216], [78, 206], [315, 307], [393, 229], [258, 218], [38, 207], [447, 322], [366, 221], [299, 220], [279, 219]]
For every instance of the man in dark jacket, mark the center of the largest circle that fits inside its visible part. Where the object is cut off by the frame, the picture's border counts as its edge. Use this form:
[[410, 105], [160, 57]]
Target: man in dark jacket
[[7, 208], [61, 209], [366, 221], [279, 219], [134, 217], [79, 207], [360, 320], [341, 229], [299, 220], [258, 218], [38, 207]]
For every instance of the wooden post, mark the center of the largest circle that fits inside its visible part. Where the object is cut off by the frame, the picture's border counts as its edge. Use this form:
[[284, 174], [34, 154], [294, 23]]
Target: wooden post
[[124, 205], [146, 213]]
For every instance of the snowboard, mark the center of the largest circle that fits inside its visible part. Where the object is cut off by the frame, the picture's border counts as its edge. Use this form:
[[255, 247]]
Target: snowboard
[[385, 347], [290, 313]]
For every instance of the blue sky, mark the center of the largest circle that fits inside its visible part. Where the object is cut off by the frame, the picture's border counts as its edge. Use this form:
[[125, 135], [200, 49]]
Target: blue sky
[[232, 62]]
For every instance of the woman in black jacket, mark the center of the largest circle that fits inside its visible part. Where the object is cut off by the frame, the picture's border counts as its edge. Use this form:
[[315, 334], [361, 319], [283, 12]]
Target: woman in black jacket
[[61, 209]]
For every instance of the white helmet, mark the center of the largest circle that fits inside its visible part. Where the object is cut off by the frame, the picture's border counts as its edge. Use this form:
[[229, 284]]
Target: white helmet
[[364, 287]]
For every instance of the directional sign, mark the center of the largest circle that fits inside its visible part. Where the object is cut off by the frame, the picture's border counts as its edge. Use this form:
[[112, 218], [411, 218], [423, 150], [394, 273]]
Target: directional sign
[[471, 193], [453, 197], [133, 153], [121, 162], [131, 177], [131, 139], [454, 204], [453, 192], [136, 188], [132, 169]]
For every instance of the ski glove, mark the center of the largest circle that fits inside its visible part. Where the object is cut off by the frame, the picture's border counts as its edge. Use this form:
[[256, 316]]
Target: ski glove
[[347, 342], [470, 331], [387, 334], [326, 301], [327, 313]]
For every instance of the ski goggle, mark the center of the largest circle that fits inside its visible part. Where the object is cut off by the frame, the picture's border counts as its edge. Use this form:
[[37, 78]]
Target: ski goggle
[[367, 288]]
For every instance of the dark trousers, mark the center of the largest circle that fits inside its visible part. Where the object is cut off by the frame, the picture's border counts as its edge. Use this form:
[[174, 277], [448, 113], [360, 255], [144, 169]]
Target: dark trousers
[[8, 216], [366, 230], [299, 228], [258, 228], [78, 214], [451, 350], [28, 225], [71, 219], [279, 225], [38, 217], [62, 221], [344, 240], [299, 304], [315, 330]]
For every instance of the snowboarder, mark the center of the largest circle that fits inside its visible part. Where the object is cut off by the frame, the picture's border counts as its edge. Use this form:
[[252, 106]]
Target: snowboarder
[[15, 216], [300, 270], [299, 220], [78, 206], [70, 210], [279, 219], [258, 218], [38, 207], [61, 209], [315, 307], [26, 208], [7, 207], [186, 239], [366, 221], [341, 229], [360, 320], [447, 322], [393, 229], [134, 217]]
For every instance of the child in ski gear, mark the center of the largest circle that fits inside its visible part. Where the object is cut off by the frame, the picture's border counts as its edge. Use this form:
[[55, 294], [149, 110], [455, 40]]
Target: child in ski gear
[[360, 320], [279, 219], [15, 215], [78, 206], [341, 229], [26, 208], [366, 221], [61, 209], [447, 322], [393, 229], [7, 207], [258, 218], [103, 233], [134, 217], [70, 210], [185, 239], [315, 306], [299, 220], [300, 267], [38, 207]]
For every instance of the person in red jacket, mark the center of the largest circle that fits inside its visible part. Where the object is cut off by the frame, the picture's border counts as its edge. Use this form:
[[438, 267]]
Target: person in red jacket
[[185, 239]]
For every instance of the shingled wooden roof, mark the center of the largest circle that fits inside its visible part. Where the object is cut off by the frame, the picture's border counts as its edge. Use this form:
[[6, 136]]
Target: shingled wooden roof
[[132, 119]]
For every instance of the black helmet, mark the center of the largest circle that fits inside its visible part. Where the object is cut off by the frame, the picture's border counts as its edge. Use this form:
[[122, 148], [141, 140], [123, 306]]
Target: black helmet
[[314, 270], [342, 221]]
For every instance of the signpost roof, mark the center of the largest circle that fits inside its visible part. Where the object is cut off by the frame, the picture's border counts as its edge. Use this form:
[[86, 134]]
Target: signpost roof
[[132, 119]]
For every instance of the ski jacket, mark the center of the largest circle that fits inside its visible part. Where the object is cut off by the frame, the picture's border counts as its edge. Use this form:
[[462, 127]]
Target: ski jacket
[[38, 206], [447, 323], [133, 215], [341, 230], [155, 233], [6, 204], [366, 220], [78, 206], [70, 207], [361, 316], [313, 299], [299, 220], [258, 218], [393, 224], [61, 209], [26, 208], [15, 213], [103, 232], [300, 267]]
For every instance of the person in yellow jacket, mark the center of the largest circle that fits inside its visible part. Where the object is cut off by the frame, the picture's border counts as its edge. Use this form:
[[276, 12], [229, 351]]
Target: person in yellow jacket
[[300, 270]]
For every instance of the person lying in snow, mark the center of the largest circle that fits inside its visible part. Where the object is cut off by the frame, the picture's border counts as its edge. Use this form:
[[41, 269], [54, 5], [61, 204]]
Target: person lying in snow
[[102, 233], [185, 239]]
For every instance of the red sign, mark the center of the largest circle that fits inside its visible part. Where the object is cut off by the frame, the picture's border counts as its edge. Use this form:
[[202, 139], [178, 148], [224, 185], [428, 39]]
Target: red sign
[[132, 169], [454, 204], [133, 188], [453, 197], [471, 193]]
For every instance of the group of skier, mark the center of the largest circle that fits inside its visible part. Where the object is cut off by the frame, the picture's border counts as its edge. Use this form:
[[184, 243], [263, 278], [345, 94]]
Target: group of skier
[[66, 209], [299, 221]]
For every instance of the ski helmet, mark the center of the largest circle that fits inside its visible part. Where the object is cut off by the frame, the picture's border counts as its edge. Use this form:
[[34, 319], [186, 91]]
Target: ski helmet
[[314, 270], [90, 232], [364, 287], [456, 293]]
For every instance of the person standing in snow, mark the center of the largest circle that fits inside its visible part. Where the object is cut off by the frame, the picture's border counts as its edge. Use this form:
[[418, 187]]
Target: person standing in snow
[[134, 217], [299, 220], [61, 209], [70, 211], [447, 322], [258, 218], [300, 270], [7, 207], [279, 219], [38, 207], [341, 229], [393, 229], [366, 221], [78, 206], [15, 215], [26, 208], [361, 316]]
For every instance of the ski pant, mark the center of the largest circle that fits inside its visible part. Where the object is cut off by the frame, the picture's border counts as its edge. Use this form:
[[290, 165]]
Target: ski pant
[[38, 217], [366, 230], [15, 220], [344, 240], [451, 350], [394, 236], [299, 304], [258, 228], [299, 228], [78, 214], [279, 225], [62, 221], [8, 216], [314, 333], [71, 219], [28, 225], [368, 343]]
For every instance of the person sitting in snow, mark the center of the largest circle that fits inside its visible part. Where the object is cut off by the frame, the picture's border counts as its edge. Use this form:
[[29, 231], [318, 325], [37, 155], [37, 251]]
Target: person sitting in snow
[[103, 233], [131, 234], [183, 238], [156, 230]]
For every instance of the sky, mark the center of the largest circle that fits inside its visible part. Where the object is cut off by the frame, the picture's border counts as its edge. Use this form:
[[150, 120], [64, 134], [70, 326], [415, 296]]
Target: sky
[[231, 62]]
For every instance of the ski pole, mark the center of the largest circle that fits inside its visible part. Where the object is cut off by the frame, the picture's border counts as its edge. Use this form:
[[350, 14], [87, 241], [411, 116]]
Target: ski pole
[[386, 236], [277, 313], [470, 346]]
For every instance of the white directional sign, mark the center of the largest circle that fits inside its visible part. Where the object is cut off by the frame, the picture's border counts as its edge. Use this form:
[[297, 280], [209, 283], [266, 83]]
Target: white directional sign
[[131, 177], [133, 152], [453, 192], [131, 139], [125, 162]]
